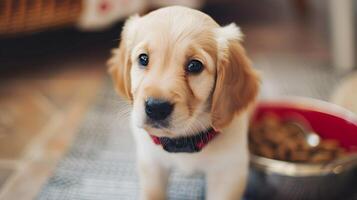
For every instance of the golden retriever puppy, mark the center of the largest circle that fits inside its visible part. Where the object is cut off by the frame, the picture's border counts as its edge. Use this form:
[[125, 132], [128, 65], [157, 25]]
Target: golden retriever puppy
[[190, 85]]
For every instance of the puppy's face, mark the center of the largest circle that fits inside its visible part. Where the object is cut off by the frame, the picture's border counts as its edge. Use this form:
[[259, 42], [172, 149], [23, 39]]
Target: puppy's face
[[182, 72]]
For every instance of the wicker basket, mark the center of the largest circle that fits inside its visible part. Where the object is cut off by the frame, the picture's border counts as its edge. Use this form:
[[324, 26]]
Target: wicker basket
[[22, 16]]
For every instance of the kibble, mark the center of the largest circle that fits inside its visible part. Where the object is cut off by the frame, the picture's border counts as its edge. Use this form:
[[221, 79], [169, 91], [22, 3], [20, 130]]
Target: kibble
[[273, 138]]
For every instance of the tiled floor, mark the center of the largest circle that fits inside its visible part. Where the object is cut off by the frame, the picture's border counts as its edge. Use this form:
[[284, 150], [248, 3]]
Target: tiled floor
[[5, 172], [39, 114]]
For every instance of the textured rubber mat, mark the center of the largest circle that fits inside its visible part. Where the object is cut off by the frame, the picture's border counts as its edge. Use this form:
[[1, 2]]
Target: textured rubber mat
[[101, 161]]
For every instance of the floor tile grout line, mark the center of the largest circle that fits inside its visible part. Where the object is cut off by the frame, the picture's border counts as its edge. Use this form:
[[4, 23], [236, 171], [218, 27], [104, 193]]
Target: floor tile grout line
[[34, 151], [29, 157]]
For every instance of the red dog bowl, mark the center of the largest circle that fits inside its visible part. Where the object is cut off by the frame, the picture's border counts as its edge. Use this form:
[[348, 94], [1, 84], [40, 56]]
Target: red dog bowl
[[276, 179], [328, 120]]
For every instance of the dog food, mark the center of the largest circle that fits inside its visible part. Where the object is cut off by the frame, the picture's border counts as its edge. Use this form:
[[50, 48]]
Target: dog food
[[282, 140]]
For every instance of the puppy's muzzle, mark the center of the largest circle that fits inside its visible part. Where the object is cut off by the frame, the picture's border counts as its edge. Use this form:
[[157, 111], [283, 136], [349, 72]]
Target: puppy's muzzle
[[158, 110]]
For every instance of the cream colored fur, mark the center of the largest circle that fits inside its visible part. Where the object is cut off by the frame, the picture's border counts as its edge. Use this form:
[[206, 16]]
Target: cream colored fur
[[218, 97], [224, 161]]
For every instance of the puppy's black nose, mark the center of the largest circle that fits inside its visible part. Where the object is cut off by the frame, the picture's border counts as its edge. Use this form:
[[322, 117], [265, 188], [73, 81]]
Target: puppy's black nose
[[157, 109]]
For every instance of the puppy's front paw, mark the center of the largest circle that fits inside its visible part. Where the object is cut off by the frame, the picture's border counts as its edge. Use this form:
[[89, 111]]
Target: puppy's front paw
[[153, 181], [152, 195]]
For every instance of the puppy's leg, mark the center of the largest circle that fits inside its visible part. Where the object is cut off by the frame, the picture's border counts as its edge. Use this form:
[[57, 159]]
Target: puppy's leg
[[153, 181], [227, 183]]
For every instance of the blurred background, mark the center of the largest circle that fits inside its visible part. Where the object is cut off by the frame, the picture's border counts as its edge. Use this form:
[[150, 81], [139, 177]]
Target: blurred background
[[63, 130]]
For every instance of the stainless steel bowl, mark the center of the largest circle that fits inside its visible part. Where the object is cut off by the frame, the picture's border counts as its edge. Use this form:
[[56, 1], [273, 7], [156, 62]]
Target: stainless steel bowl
[[274, 179], [281, 180]]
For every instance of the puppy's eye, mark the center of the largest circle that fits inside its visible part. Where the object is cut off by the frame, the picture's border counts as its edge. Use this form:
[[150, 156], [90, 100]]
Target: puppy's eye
[[143, 59], [194, 67]]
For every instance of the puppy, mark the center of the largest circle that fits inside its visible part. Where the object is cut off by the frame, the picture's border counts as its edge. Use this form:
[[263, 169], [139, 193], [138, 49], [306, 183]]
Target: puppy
[[190, 85]]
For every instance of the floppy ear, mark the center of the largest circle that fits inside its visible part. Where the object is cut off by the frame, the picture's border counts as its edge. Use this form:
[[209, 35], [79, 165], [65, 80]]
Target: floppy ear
[[237, 83], [120, 63]]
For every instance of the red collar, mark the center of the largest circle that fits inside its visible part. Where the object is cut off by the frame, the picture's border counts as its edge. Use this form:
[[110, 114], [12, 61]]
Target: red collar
[[189, 144]]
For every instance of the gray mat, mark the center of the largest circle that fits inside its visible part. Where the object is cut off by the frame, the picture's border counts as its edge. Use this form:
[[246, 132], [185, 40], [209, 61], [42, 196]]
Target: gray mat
[[101, 161]]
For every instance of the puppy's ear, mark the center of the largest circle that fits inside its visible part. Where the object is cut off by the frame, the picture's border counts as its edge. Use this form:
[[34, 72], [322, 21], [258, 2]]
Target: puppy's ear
[[237, 83], [120, 63]]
